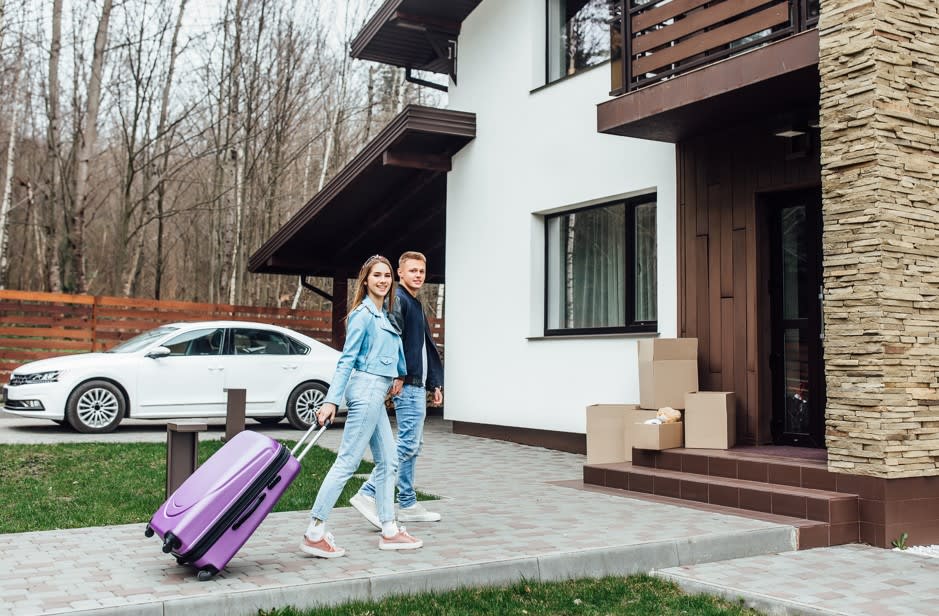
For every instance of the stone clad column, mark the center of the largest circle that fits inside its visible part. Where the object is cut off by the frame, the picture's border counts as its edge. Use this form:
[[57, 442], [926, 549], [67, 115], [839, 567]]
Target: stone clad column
[[879, 118]]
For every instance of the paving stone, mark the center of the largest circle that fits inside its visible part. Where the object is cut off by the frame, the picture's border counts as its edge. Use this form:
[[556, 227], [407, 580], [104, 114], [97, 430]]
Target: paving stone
[[496, 528]]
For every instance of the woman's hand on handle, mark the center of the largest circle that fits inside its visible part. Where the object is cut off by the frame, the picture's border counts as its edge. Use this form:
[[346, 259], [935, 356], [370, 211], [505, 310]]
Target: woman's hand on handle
[[326, 413]]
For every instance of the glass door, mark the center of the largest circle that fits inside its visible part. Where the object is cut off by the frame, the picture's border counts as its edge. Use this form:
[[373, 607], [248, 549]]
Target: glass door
[[796, 296]]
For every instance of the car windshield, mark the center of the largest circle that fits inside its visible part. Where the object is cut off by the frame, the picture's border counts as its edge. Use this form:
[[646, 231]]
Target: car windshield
[[142, 340]]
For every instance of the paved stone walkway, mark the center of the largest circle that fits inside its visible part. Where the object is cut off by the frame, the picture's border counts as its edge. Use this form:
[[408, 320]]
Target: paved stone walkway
[[510, 512], [847, 580], [505, 518]]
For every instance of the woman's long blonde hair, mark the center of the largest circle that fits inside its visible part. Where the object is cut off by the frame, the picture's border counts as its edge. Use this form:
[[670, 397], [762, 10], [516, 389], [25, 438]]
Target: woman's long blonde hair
[[360, 285]]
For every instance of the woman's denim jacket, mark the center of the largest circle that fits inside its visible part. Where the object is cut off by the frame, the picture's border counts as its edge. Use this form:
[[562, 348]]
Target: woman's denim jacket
[[373, 345]]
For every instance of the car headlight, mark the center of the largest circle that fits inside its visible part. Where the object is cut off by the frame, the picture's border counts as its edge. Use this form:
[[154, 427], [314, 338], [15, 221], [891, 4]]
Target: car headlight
[[42, 377]]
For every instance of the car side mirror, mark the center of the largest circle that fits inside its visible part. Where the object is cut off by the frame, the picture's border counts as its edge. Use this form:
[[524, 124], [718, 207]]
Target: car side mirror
[[160, 351]]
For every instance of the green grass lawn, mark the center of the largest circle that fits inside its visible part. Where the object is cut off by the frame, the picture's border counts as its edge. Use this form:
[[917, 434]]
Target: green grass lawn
[[43, 487], [638, 595]]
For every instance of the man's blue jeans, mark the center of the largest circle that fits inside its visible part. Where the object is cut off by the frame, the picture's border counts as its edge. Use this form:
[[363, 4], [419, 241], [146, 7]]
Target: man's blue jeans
[[366, 425], [410, 410]]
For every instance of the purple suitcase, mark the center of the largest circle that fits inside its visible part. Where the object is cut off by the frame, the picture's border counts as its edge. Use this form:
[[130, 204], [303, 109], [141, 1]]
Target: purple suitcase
[[214, 512]]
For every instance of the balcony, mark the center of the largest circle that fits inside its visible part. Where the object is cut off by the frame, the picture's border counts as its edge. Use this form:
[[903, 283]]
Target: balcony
[[680, 66], [665, 39]]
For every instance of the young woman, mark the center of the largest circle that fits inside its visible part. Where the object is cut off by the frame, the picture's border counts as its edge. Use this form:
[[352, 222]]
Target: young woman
[[371, 359]]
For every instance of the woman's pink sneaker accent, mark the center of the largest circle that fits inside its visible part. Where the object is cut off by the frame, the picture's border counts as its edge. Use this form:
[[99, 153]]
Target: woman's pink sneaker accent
[[401, 541], [324, 548]]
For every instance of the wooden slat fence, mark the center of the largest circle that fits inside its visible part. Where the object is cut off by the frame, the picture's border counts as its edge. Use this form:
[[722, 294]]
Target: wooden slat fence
[[40, 325]]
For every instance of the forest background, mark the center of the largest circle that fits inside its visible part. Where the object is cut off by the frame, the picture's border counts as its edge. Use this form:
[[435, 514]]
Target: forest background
[[148, 147]]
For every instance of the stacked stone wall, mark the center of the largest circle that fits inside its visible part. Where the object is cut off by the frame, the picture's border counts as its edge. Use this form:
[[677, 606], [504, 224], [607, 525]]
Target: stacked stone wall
[[879, 115]]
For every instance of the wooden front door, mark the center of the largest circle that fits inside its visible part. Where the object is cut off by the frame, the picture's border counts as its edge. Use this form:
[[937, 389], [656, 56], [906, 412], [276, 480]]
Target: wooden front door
[[795, 286]]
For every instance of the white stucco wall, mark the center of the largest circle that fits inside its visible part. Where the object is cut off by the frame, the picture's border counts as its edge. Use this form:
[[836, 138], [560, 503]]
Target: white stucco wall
[[534, 152]]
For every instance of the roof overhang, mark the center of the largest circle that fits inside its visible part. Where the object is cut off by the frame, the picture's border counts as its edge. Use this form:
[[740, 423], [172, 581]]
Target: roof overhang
[[771, 79], [389, 199], [415, 34]]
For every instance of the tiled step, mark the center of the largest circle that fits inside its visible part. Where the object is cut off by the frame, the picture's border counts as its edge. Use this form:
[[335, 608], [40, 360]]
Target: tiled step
[[837, 510], [809, 533], [730, 464]]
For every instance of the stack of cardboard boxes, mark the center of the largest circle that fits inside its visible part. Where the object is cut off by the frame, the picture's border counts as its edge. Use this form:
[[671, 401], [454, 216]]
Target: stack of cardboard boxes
[[668, 377], [668, 369]]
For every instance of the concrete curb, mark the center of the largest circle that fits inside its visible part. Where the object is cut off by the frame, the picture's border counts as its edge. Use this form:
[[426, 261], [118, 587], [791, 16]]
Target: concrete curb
[[772, 606], [619, 560]]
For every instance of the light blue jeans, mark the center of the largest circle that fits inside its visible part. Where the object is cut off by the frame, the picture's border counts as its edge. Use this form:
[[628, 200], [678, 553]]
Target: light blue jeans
[[410, 411], [366, 424]]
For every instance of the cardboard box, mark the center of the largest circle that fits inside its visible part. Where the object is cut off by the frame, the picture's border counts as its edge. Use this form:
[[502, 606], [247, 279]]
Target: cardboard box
[[636, 417], [710, 420], [668, 369], [606, 425], [658, 436]]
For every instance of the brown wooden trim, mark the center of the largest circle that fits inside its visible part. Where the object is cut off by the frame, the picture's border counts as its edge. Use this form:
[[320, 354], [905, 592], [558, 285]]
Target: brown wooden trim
[[692, 23], [371, 28], [665, 12], [416, 160], [425, 22], [414, 119], [664, 111], [705, 41], [549, 439], [408, 33]]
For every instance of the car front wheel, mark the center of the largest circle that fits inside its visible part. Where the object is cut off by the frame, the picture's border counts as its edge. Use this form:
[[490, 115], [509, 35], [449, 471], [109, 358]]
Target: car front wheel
[[303, 403], [95, 407]]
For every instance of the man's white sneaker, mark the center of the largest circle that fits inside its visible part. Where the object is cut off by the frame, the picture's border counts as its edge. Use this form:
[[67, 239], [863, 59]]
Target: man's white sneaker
[[417, 513], [365, 505]]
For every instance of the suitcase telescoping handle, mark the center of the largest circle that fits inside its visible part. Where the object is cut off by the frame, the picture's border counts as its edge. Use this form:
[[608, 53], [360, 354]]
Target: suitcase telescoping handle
[[312, 442]]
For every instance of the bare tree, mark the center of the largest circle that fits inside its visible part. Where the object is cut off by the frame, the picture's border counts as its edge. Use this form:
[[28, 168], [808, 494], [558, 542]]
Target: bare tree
[[88, 137], [8, 184], [163, 145], [169, 147]]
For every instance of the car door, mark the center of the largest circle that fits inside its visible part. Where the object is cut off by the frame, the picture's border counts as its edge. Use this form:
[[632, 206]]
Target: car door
[[260, 362], [189, 382]]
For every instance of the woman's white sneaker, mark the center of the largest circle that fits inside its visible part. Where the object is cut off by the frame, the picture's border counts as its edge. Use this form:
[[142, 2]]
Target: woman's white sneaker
[[401, 541], [324, 548], [417, 513]]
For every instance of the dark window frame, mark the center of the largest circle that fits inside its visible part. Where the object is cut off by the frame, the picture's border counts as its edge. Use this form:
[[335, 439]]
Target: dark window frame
[[632, 326], [547, 53]]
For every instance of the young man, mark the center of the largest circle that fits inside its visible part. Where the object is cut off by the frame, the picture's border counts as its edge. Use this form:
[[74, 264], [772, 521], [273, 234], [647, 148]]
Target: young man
[[425, 372]]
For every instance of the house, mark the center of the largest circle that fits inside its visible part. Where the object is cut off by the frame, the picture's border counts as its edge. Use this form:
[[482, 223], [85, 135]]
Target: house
[[758, 174]]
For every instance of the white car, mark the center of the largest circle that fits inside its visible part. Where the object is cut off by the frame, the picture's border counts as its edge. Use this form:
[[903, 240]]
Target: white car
[[180, 370]]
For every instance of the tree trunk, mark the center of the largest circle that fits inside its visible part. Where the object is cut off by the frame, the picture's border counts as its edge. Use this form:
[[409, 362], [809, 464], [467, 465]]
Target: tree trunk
[[163, 148], [88, 137], [39, 238], [8, 187], [53, 165]]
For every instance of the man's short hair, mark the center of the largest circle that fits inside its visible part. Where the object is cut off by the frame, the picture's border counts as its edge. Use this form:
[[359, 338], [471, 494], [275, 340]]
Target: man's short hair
[[411, 254]]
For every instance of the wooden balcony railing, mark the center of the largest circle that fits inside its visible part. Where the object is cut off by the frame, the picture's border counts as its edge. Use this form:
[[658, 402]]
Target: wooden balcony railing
[[653, 40]]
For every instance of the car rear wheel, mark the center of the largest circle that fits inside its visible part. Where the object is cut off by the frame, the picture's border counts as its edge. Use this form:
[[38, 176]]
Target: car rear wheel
[[95, 407], [303, 403]]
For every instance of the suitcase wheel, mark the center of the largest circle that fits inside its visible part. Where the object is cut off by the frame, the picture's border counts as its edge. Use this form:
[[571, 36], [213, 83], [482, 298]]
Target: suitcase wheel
[[207, 574], [170, 543], [148, 532]]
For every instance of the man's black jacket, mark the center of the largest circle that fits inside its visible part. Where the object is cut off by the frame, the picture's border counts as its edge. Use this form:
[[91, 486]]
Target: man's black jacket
[[407, 315]]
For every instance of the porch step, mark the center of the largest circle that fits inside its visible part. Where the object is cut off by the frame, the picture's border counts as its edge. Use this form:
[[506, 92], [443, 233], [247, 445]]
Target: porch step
[[747, 464], [836, 513]]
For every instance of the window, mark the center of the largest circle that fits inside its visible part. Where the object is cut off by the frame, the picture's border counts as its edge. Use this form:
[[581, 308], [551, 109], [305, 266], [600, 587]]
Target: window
[[601, 269], [261, 342], [196, 342], [578, 35]]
